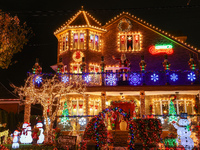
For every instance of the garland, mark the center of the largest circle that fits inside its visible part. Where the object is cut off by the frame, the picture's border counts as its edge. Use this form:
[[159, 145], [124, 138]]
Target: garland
[[147, 131], [97, 131]]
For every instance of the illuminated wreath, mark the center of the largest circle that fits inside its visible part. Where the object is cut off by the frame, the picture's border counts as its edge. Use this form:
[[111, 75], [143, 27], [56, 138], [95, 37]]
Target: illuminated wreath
[[77, 56], [124, 25]]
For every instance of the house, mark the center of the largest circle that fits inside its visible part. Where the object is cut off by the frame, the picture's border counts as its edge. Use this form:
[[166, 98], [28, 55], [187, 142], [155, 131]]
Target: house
[[127, 60]]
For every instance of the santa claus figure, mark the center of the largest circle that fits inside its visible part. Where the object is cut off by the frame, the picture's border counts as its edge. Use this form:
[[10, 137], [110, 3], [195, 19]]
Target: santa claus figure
[[124, 64]]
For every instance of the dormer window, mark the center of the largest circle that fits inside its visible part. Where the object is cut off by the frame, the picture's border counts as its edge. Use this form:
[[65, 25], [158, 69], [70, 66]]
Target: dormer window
[[94, 42], [79, 40], [129, 42]]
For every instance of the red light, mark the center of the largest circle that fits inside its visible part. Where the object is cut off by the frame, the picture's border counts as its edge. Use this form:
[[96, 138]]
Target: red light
[[155, 51]]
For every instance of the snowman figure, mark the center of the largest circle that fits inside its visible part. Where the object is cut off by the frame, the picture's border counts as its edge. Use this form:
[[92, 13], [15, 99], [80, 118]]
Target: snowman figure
[[184, 132], [41, 130], [15, 143], [24, 133], [29, 135]]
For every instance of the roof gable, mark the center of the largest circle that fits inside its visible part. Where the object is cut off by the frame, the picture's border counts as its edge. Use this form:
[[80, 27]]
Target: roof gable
[[152, 28], [6, 94], [81, 19]]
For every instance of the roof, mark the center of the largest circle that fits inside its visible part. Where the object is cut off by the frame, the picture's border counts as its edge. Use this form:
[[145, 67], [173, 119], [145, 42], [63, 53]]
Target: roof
[[153, 28], [5, 94], [81, 19]]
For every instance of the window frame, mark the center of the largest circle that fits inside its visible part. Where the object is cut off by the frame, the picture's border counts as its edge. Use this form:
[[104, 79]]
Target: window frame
[[126, 34], [64, 46], [92, 46], [79, 32]]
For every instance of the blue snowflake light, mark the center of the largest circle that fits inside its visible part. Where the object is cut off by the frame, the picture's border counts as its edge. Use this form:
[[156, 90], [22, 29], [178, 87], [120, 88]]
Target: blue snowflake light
[[154, 77], [174, 77], [65, 79], [38, 79], [87, 79], [135, 79], [111, 79], [191, 76]]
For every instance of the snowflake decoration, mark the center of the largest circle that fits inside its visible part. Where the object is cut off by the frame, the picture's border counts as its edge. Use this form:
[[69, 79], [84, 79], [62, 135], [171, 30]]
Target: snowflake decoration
[[49, 121], [154, 77], [64, 121], [162, 120], [135, 79], [38, 79], [174, 77], [65, 79], [111, 79], [82, 121], [191, 76], [87, 79]]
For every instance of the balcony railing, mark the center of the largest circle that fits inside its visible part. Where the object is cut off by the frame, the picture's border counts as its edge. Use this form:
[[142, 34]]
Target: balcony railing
[[151, 78]]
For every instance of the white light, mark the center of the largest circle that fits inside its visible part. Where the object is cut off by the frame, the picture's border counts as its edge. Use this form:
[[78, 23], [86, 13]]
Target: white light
[[82, 121], [183, 131]]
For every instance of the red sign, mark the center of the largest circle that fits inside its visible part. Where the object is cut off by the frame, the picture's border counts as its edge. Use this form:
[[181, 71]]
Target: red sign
[[167, 49]]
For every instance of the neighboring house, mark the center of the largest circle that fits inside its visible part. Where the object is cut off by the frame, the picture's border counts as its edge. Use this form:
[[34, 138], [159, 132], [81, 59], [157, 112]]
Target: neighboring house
[[8, 100]]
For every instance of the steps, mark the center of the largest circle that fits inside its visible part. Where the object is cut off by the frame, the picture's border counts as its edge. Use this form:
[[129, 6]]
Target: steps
[[120, 138]]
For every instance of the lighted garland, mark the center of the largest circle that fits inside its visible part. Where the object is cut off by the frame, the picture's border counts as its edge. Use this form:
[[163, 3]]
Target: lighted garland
[[149, 131], [97, 131]]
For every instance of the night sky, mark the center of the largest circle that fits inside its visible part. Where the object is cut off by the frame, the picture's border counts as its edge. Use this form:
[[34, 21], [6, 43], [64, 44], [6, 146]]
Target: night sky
[[44, 17]]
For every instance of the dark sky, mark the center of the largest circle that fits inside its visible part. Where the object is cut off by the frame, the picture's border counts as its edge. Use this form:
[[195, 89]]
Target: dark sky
[[44, 17]]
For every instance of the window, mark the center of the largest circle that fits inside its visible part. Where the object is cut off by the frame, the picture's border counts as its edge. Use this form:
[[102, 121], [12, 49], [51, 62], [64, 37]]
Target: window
[[96, 47], [79, 40], [129, 42], [157, 108], [76, 68], [94, 76], [182, 106], [94, 106], [77, 107], [64, 43], [94, 42], [94, 68]]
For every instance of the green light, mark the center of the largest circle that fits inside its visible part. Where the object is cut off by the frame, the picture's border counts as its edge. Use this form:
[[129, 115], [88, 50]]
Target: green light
[[163, 46], [170, 142]]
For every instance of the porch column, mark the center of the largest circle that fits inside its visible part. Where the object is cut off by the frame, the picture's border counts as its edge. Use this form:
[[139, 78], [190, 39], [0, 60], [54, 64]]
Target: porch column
[[87, 104], [103, 100], [27, 112], [142, 103]]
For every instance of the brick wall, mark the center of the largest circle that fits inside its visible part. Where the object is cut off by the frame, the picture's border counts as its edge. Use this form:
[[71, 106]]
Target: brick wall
[[179, 59]]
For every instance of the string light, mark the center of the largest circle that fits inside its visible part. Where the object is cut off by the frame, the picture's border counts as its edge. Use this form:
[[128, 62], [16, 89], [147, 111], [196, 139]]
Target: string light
[[49, 94]]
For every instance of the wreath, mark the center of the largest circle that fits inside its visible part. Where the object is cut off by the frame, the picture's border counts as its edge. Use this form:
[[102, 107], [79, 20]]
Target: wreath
[[124, 25]]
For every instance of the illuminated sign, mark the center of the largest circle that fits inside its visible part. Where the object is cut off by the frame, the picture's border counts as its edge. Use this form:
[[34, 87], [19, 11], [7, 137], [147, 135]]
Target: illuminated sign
[[157, 49]]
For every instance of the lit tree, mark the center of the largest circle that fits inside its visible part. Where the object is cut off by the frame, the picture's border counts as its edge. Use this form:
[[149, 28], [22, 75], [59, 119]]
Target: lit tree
[[172, 112], [64, 113], [13, 37], [48, 93]]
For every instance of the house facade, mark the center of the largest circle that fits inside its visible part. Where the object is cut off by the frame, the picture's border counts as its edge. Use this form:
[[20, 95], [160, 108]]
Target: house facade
[[127, 60]]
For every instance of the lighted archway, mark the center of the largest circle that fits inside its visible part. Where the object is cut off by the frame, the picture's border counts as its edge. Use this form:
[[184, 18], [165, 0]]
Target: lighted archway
[[97, 123]]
